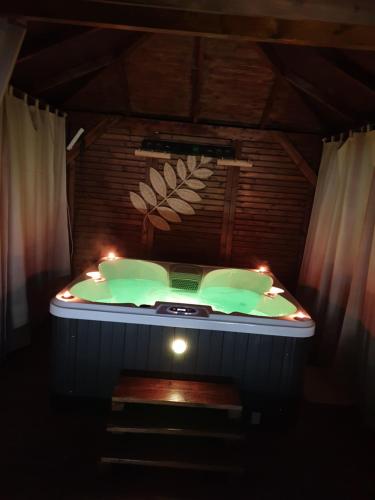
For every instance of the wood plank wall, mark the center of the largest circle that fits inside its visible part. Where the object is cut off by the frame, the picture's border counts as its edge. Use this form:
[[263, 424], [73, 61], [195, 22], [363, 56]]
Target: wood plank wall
[[246, 217]]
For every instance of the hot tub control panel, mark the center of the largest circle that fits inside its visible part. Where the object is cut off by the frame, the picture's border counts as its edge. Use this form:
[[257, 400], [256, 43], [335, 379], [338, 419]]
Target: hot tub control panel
[[182, 310]]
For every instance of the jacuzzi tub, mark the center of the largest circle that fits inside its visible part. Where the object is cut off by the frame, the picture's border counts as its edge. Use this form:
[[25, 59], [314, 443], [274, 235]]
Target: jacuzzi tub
[[232, 322]]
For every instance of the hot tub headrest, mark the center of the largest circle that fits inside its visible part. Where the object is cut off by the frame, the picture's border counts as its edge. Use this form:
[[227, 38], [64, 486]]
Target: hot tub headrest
[[238, 278], [133, 269]]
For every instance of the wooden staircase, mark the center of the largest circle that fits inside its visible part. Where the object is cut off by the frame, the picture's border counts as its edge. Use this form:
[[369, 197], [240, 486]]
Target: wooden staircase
[[180, 424]]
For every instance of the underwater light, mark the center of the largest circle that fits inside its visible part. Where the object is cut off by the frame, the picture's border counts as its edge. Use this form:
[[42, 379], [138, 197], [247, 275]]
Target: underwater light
[[179, 346], [273, 291], [95, 275]]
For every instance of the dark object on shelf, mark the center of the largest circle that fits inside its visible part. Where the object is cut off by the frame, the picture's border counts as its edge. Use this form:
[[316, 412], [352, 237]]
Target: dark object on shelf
[[186, 148]]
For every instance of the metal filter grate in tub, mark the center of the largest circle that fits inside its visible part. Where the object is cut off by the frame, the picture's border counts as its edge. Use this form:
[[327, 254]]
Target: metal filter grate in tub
[[187, 278]]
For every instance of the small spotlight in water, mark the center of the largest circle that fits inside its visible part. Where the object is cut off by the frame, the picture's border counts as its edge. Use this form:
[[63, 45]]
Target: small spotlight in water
[[179, 346], [273, 291], [95, 275]]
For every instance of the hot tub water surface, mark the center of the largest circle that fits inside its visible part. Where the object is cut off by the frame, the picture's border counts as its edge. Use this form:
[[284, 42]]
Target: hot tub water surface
[[127, 281]]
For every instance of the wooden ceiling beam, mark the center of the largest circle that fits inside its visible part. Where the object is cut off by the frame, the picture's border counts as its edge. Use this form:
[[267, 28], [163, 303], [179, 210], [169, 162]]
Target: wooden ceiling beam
[[296, 157], [275, 64], [349, 69], [270, 57], [318, 96], [60, 44], [270, 101], [300, 84], [339, 11], [120, 63], [74, 73], [204, 24], [90, 137], [158, 118], [90, 67]]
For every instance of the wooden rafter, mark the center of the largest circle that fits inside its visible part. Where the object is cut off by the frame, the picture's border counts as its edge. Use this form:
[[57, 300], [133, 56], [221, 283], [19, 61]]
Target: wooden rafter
[[196, 78], [90, 137], [163, 20], [296, 157], [349, 69], [270, 101], [299, 83], [119, 64], [183, 119], [121, 67], [275, 64], [340, 11], [88, 67], [64, 44], [74, 73], [310, 90]]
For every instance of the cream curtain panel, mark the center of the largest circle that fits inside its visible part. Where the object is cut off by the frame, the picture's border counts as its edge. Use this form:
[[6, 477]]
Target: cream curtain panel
[[34, 226], [337, 279], [11, 38]]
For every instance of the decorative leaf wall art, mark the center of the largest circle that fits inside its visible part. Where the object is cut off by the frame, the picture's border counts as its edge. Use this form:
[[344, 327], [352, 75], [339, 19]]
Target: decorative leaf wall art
[[171, 194]]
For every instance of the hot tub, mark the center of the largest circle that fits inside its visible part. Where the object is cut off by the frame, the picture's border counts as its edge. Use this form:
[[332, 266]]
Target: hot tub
[[181, 320]]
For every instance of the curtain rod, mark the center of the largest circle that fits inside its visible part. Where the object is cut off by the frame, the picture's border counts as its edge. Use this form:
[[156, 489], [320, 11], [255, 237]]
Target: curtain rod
[[36, 101], [364, 128]]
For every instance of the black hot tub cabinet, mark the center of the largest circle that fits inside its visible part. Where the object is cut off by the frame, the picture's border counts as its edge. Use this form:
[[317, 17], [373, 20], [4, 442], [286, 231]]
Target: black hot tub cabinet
[[94, 340]]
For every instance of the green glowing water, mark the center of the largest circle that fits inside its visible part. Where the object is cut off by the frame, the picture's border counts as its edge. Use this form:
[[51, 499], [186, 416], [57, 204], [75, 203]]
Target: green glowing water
[[141, 291]]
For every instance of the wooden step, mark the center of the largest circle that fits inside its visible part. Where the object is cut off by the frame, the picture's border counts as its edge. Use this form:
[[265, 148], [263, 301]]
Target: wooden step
[[179, 453], [188, 393], [175, 421]]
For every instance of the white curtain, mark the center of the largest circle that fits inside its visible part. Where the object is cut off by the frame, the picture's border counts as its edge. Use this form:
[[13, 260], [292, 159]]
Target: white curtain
[[337, 279], [34, 228], [11, 38]]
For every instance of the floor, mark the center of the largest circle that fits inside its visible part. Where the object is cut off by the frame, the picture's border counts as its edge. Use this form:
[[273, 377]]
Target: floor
[[46, 454]]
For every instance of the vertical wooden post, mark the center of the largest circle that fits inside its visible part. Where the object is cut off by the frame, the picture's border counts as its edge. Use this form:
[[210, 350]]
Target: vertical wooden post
[[233, 175], [71, 173], [148, 229]]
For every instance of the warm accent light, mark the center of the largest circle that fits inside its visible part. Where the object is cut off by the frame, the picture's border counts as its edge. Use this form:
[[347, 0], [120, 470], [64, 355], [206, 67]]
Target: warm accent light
[[300, 315], [95, 275], [176, 396], [66, 295], [274, 290], [262, 269], [111, 256], [179, 346]]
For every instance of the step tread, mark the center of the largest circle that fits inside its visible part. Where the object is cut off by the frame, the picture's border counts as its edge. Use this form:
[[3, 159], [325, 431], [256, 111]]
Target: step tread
[[159, 421], [189, 453], [189, 393]]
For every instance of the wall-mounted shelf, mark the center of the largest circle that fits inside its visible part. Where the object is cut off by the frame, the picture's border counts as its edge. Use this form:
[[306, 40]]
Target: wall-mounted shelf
[[234, 163]]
